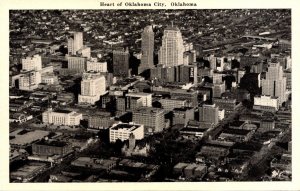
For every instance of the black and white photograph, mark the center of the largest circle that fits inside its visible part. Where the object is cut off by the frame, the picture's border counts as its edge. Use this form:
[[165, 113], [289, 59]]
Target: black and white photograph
[[160, 93]]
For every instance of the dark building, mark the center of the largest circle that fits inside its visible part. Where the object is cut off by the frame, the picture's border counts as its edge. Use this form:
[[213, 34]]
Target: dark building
[[188, 73], [51, 147], [121, 63]]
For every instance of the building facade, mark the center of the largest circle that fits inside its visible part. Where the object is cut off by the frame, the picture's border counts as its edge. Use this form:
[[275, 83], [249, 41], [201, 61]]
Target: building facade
[[171, 51], [75, 43], [121, 63], [93, 85], [209, 113], [147, 49], [32, 63], [61, 117], [274, 83], [122, 131], [152, 118]]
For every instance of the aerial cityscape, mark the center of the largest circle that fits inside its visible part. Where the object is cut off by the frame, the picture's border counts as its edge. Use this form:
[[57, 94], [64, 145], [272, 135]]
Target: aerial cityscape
[[195, 95]]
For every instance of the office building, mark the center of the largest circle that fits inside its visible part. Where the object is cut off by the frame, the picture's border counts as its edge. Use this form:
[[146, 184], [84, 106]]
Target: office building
[[94, 65], [152, 118], [218, 89], [146, 98], [188, 73], [122, 131], [32, 63], [228, 104], [92, 87], [209, 113], [28, 80], [266, 103], [51, 147], [183, 115], [171, 51], [170, 104], [121, 63], [61, 117], [77, 64], [75, 43], [147, 49], [274, 83]]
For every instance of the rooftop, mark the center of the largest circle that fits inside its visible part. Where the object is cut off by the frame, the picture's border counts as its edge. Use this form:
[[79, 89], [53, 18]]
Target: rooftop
[[51, 143], [236, 131], [130, 127]]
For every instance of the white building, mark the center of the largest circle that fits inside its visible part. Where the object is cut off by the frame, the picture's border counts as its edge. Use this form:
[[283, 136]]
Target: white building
[[171, 51], [221, 114], [62, 117], [85, 52], [170, 104], [93, 85], [122, 131], [274, 83], [32, 63], [49, 79], [146, 98], [94, 65], [29, 80], [75, 43], [266, 102]]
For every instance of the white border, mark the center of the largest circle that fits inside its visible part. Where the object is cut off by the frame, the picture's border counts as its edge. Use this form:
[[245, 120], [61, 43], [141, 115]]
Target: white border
[[5, 6]]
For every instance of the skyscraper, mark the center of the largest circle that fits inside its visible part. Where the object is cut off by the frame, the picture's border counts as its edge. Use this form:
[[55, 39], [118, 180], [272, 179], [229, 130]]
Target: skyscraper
[[75, 43], [92, 87], [121, 63], [147, 49], [274, 83], [171, 51]]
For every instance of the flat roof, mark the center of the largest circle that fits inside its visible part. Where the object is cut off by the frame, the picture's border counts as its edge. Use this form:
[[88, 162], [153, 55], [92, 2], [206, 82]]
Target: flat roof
[[236, 131], [54, 143], [28, 137], [194, 129], [236, 123], [130, 127], [62, 111]]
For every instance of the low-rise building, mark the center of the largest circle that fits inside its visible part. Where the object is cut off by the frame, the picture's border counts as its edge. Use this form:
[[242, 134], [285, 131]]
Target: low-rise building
[[94, 163], [51, 147], [266, 103], [61, 117], [122, 131]]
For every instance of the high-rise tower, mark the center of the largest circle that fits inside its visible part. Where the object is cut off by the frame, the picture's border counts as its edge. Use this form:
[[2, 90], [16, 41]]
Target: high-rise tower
[[75, 43], [274, 83], [171, 51], [121, 63], [147, 49]]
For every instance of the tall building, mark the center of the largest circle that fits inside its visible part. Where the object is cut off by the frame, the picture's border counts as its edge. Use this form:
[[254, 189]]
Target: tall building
[[152, 118], [77, 64], [32, 63], [92, 87], [121, 63], [274, 83], [171, 51], [75, 43], [147, 49], [209, 113], [28, 80]]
